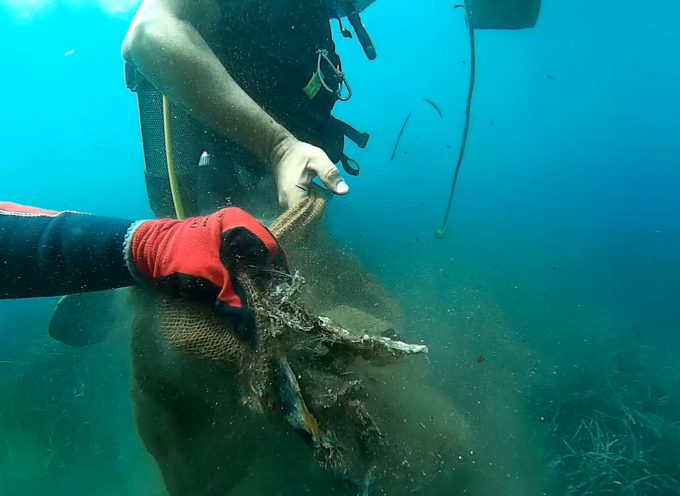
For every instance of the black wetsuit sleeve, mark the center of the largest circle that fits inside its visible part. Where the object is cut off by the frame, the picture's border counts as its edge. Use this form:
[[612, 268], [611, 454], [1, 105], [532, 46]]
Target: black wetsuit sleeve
[[65, 253]]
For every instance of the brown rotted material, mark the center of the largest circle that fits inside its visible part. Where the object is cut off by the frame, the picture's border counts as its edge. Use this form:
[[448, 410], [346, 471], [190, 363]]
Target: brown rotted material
[[312, 406]]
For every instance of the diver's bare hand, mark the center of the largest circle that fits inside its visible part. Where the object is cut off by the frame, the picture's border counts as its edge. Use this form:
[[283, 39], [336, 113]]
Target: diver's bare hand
[[296, 163]]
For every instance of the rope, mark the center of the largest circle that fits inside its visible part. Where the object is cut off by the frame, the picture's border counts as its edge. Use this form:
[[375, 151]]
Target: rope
[[323, 55], [468, 107]]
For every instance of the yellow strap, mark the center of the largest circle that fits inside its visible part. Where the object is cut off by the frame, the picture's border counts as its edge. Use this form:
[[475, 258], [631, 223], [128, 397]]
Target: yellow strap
[[170, 159]]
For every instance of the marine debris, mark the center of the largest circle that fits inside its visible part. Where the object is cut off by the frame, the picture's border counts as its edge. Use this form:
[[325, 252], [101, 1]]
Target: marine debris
[[339, 387], [408, 117], [435, 107], [401, 133]]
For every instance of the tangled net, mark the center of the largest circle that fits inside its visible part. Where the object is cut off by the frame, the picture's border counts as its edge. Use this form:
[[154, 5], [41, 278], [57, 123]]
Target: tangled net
[[196, 382]]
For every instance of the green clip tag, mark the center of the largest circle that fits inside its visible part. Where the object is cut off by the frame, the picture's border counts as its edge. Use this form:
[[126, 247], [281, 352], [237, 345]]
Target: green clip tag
[[313, 87]]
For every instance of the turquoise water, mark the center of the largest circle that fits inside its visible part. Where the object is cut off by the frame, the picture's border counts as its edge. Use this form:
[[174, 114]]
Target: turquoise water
[[560, 267]]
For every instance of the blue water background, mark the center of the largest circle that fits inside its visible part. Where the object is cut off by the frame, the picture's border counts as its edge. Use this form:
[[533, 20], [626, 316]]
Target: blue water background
[[566, 222]]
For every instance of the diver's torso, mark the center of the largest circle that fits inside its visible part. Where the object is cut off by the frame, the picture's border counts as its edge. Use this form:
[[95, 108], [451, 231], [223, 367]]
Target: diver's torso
[[271, 49]]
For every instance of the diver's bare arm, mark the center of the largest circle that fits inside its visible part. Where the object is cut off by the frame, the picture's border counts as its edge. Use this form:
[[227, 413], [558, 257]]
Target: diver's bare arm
[[166, 46]]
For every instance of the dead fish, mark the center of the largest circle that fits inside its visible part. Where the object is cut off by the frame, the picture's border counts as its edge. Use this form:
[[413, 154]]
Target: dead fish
[[296, 412]]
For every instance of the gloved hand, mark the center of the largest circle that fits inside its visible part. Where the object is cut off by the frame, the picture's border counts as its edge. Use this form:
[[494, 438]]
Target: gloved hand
[[201, 256], [295, 164]]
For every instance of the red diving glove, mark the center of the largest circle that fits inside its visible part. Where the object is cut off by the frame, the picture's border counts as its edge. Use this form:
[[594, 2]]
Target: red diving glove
[[200, 257]]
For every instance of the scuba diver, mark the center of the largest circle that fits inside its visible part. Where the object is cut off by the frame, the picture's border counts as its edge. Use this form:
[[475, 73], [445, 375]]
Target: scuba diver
[[49, 253], [235, 104], [239, 92]]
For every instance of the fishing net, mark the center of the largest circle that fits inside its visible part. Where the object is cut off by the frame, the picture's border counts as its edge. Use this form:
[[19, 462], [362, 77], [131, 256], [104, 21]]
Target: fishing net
[[308, 405]]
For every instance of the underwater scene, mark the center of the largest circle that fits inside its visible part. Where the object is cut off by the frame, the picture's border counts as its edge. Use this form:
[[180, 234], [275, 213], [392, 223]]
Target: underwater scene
[[472, 276]]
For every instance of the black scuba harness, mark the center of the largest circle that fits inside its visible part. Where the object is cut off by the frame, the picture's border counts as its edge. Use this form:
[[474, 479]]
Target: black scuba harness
[[349, 9], [311, 56]]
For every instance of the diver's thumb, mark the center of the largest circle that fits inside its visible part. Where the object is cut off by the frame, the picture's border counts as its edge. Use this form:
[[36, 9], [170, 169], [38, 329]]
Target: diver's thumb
[[331, 178]]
